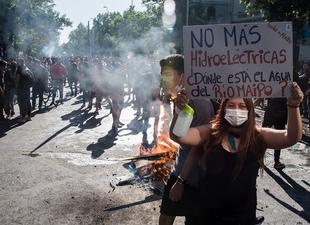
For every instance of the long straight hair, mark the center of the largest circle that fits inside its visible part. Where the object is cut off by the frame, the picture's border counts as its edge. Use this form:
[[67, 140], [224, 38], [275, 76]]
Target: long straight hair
[[250, 139]]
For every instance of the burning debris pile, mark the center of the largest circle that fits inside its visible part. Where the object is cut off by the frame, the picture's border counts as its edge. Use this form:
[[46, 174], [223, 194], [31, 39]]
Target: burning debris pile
[[153, 165]]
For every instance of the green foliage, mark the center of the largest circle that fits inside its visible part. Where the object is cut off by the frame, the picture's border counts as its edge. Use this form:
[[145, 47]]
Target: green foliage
[[297, 11], [29, 25], [78, 40], [111, 29], [105, 29]]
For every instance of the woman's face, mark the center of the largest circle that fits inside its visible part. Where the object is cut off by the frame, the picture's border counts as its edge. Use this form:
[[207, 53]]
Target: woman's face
[[236, 103], [236, 113]]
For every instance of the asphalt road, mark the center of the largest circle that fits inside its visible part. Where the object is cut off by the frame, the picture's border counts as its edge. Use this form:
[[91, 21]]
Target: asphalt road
[[70, 177]]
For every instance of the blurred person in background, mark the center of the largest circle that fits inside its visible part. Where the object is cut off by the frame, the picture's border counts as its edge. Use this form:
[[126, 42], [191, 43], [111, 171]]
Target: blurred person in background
[[58, 73], [73, 75], [276, 116], [304, 83], [85, 83], [40, 84], [24, 81], [3, 65], [9, 79]]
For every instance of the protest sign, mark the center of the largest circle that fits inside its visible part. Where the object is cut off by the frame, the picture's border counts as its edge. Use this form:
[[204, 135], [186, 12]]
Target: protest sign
[[250, 60]]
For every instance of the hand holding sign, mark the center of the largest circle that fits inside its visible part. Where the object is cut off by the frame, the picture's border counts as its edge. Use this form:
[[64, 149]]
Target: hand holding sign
[[297, 96]]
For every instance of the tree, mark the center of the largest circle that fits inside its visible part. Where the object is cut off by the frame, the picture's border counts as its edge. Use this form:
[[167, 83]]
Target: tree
[[105, 31], [78, 41], [29, 25], [297, 11], [111, 29]]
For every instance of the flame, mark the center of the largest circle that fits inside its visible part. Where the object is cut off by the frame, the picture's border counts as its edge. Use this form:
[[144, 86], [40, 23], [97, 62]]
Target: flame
[[159, 169]]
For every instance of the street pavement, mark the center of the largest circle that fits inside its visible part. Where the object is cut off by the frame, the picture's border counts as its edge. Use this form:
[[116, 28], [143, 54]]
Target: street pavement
[[76, 163]]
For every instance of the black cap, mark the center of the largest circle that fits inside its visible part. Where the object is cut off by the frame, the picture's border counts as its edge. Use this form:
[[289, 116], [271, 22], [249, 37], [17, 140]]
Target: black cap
[[176, 61]]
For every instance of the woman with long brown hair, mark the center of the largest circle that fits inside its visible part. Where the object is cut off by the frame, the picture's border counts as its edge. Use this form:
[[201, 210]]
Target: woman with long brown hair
[[232, 150]]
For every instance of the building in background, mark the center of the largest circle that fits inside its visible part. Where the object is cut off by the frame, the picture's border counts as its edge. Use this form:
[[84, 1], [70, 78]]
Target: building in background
[[218, 11]]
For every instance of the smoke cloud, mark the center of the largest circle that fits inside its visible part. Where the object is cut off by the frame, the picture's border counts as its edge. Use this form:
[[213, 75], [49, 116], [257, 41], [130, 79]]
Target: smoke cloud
[[136, 63]]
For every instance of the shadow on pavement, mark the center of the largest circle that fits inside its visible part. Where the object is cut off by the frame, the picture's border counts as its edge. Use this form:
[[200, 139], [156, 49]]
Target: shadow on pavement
[[135, 126], [147, 199], [305, 182], [50, 138], [72, 114], [298, 193], [78, 102], [91, 123], [76, 118], [6, 125], [102, 144]]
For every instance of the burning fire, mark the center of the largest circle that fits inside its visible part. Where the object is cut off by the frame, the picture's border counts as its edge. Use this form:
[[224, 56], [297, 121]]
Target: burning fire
[[165, 150]]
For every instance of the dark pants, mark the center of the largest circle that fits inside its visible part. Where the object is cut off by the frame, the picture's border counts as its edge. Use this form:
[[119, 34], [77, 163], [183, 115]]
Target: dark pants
[[23, 98], [85, 95], [71, 83], [58, 85], [307, 102], [188, 205], [9, 101], [1, 106], [279, 124], [38, 89], [304, 106], [194, 208]]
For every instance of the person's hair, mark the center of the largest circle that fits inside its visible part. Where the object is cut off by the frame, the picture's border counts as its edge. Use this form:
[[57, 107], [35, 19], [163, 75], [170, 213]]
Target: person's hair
[[176, 61], [250, 138]]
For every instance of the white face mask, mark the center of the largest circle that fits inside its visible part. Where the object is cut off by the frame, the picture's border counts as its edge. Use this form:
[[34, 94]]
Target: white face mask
[[236, 117]]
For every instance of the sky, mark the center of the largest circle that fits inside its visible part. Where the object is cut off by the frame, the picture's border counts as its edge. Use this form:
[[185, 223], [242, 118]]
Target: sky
[[82, 11]]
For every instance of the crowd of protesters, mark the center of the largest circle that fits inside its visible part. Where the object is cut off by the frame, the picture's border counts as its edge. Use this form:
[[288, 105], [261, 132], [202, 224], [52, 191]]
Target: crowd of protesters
[[26, 81]]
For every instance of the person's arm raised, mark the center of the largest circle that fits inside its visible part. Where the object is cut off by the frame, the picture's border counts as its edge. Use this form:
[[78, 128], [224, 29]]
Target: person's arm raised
[[278, 139], [194, 137]]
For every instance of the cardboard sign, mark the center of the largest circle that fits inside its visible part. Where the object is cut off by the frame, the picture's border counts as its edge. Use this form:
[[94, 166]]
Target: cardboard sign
[[250, 60]]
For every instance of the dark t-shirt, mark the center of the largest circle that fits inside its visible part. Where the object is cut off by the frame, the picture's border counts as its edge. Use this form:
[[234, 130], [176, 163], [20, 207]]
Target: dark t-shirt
[[9, 78], [276, 112], [26, 77], [228, 198]]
